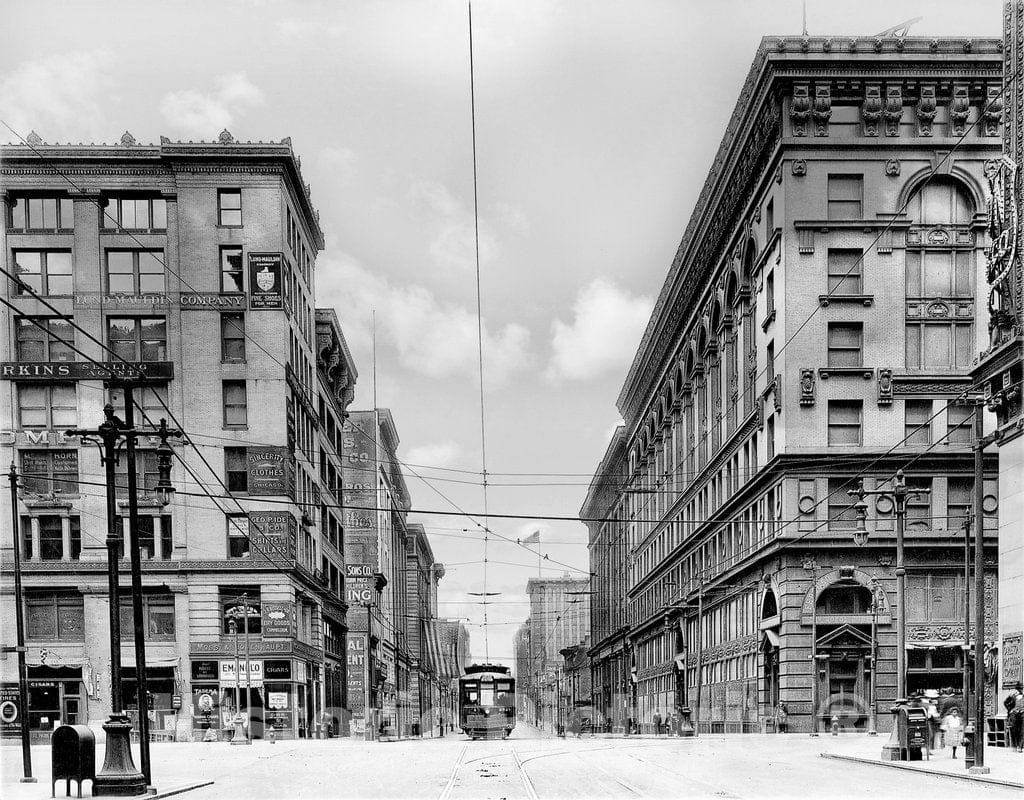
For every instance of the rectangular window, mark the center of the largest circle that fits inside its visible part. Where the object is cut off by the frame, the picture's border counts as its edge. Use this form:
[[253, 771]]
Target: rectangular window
[[769, 217], [917, 426], [229, 207], [146, 474], [235, 404], [935, 598], [939, 345], [769, 293], [157, 615], [135, 271], [845, 196], [232, 337], [959, 424], [845, 272], [36, 344], [51, 406], [844, 422], [236, 469], [232, 274], [135, 214], [238, 536], [51, 538], [845, 342], [138, 338], [769, 361], [45, 471], [919, 505], [55, 617], [148, 539], [939, 273], [45, 272], [150, 403], [42, 214], [959, 502]]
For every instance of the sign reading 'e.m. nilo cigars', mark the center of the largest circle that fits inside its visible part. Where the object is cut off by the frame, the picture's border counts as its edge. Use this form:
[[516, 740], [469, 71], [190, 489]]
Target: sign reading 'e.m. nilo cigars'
[[266, 273]]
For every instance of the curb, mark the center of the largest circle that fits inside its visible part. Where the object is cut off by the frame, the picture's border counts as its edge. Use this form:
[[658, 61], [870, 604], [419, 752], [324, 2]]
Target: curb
[[188, 787], [926, 771]]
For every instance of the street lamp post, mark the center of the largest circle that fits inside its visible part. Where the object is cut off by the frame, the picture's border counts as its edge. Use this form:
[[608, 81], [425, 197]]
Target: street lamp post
[[19, 624], [812, 565], [876, 606], [239, 732], [899, 494]]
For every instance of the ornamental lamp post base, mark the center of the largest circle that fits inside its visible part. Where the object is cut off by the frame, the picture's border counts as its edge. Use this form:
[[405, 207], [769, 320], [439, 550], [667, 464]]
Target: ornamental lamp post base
[[892, 750], [119, 777], [239, 736]]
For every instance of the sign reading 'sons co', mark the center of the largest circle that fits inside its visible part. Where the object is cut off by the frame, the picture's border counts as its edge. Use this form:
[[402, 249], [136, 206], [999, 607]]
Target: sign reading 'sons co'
[[265, 281]]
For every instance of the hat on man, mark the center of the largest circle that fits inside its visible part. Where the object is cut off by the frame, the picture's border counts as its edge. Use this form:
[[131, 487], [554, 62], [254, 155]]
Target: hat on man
[[931, 694]]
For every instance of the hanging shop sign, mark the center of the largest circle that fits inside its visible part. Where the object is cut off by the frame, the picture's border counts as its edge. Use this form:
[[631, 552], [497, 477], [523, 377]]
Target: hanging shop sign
[[272, 535], [277, 619], [85, 371], [251, 676], [265, 272], [271, 471]]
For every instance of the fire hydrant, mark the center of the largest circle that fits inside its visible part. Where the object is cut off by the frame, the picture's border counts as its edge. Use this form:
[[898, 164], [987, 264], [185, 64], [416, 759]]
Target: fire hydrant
[[272, 736], [835, 725]]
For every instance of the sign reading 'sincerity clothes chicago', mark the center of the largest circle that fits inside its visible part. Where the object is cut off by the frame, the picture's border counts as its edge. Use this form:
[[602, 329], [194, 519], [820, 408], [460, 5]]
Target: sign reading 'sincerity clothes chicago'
[[270, 471], [85, 371], [272, 535], [265, 274]]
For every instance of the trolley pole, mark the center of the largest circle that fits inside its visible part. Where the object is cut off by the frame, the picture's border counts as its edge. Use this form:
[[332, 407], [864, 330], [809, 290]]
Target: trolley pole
[[19, 623]]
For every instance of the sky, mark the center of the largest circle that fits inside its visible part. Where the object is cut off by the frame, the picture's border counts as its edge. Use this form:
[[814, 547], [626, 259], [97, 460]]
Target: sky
[[596, 124]]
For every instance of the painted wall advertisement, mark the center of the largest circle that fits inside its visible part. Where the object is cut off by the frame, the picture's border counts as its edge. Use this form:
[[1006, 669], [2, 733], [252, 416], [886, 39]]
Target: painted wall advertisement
[[271, 471], [356, 679], [359, 491], [359, 584], [272, 535], [10, 722], [1012, 660], [265, 275]]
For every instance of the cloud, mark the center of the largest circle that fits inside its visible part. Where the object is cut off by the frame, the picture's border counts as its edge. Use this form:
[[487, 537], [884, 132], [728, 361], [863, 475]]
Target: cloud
[[191, 112], [431, 336], [308, 31], [62, 96], [452, 246], [340, 161], [439, 454], [603, 336]]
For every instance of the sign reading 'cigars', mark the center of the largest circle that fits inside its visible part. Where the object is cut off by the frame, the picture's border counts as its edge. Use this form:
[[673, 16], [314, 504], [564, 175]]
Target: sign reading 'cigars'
[[265, 281]]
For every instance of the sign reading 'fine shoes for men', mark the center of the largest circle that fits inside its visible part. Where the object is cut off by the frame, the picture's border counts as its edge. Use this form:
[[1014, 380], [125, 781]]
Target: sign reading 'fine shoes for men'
[[265, 276]]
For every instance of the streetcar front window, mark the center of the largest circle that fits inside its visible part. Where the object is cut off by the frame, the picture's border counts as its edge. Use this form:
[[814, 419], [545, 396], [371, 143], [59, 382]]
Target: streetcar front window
[[487, 695]]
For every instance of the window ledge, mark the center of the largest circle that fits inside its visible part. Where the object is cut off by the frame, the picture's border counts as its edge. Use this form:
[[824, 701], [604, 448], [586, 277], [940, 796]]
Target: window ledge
[[827, 372], [768, 320], [864, 299], [232, 227]]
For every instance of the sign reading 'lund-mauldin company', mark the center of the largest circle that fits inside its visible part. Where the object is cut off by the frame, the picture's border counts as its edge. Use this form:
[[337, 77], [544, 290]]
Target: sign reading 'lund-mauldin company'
[[265, 275]]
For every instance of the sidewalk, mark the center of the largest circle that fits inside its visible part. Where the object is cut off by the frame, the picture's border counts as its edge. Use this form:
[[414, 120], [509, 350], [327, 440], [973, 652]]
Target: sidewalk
[[1006, 765]]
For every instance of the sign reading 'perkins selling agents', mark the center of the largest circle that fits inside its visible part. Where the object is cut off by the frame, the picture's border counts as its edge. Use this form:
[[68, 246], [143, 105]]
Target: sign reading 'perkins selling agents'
[[265, 277]]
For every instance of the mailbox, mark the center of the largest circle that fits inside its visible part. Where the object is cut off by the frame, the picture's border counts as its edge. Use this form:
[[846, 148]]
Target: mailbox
[[912, 727], [73, 757]]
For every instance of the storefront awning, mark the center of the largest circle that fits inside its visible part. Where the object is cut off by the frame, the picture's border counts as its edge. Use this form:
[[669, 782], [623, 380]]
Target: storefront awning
[[773, 637], [932, 645]]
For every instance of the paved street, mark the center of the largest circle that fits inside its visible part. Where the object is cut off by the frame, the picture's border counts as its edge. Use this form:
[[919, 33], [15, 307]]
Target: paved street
[[530, 766]]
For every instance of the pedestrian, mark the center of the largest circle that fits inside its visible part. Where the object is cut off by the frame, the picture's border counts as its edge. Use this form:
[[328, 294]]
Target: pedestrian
[[674, 729], [953, 729], [781, 718], [931, 700], [1014, 705], [575, 724], [657, 722]]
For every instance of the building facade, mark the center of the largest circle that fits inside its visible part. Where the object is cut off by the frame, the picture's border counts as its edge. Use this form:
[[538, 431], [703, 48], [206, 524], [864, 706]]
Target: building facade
[[559, 617], [195, 262], [817, 328]]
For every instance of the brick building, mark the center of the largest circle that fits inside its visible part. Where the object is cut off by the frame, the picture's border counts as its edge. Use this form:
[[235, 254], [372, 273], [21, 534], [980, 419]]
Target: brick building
[[195, 260]]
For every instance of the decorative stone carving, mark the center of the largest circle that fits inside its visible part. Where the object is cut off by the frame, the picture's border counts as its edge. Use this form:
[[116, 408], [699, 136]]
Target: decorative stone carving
[[225, 137], [800, 109], [933, 45], [127, 140], [871, 108], [806, 386], [884, 246], [826, 46], [757, 215], [34, 139], [993, 113], [900, 44], [893, 109], [926, 109], [885, 387], [799, 167], [877, 45], [778, 174], [959, 109], [892, 167], [852, 45], [822, 111]]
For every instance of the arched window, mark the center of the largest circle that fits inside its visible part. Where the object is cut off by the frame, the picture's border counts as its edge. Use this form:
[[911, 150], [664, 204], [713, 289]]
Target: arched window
[[769, 606], [845, 599], [940, 277]]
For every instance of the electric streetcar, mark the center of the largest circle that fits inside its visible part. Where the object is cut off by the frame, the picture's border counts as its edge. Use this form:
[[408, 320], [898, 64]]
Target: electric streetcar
[[487, 701]]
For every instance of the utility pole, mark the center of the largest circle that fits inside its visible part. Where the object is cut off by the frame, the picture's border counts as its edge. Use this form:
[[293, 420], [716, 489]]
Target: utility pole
[[19, 623], [812, 565], [980, 443]]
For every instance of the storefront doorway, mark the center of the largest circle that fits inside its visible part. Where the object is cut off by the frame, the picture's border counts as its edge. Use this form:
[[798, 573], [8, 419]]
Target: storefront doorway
[[55, 697]]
